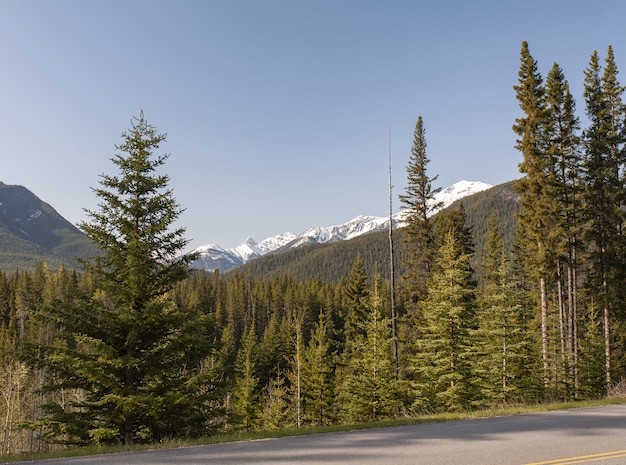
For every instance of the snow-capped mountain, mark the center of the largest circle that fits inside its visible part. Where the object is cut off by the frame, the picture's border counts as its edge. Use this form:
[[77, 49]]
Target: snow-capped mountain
[[212, 256], [457, 191]]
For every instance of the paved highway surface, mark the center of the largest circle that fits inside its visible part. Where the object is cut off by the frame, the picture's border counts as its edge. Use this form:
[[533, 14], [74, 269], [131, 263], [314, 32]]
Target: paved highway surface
[[569, 437]]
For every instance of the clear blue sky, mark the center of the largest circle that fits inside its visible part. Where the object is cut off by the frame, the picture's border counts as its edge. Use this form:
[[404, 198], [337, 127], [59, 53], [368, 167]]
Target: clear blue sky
[[278, 111]]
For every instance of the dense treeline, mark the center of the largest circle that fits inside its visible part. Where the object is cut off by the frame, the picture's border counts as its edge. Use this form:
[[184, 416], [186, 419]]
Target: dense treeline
[[279, 352], [571, 224], [134, 348]]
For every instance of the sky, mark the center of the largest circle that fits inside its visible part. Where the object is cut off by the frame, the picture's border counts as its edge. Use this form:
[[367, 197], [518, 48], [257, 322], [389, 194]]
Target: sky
[[279, 114]]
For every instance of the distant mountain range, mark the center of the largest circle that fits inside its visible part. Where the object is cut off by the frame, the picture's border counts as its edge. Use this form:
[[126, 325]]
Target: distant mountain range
[[212, 256], [333, 261], [32, 231]]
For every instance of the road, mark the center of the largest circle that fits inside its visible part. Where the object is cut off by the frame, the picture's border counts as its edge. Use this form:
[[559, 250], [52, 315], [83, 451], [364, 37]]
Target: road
[[575, 436]]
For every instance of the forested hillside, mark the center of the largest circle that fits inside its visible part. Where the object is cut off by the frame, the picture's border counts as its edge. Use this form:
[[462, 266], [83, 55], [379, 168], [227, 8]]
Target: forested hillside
[[31, 231]]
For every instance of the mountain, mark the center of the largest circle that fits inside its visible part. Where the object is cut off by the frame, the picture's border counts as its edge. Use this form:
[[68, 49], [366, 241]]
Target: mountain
[[332, 261], [212, 256], [31, 231]]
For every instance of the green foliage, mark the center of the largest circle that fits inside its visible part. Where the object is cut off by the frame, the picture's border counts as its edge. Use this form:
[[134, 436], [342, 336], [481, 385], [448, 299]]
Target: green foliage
[[604, 161], [356, 303], [504, 338], [419, 202], [445, 356], [370, 390], [549, 217], [591, 366], [245, 392], [275, 414], [127, 346], [317, 375]]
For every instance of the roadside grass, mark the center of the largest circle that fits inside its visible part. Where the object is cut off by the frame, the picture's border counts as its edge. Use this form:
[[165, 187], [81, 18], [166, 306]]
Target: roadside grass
[[505, 410]]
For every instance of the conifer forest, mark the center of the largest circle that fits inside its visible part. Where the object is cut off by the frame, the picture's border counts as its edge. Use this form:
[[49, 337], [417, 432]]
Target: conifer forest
[[134, 347]]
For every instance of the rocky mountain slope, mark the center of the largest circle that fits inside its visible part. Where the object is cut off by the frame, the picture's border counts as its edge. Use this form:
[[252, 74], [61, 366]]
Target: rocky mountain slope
[[31, 231]]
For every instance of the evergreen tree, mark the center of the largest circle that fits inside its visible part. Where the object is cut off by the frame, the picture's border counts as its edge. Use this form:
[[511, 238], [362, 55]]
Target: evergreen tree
[[503, 337], [565, 187], [604, 151], [455, 221], [128, 347], [419, 203], [356, 295], [245, 394], [296, 374], [274, 349], [445, 355], [370, 389], [275, 413], [537, 202], [592, 367], [318, 375]]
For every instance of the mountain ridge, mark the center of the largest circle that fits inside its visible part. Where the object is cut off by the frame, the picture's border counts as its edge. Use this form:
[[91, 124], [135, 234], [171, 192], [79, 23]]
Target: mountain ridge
[[212, 256], [32, 231], [332, 262]]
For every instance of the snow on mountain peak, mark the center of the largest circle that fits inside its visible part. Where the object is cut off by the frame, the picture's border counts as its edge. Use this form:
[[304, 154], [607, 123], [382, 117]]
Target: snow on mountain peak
[[248, 249], [212, 256], [459, 190], [208, 248], [276, 242]]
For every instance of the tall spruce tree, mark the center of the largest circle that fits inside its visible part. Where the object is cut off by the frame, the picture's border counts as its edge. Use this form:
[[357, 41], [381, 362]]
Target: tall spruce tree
[[445, 354], [131, 351], [604, 152], [564, 179], [535, 218], [419, 200]]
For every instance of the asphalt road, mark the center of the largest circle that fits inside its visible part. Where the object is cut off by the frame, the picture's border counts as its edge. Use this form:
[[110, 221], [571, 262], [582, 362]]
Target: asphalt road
[[595, 435]]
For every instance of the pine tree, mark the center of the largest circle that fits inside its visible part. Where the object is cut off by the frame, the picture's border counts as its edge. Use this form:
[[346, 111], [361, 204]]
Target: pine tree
[[503, 337], [245, 394], [419, 202], [295, 376], [592, 367], [565, 186], [275, 413], [274, 349], [356, 295], [128, 346], [537, 202], [370, 391], [318, 375], [455, 221], [445, 354], [604, 144]]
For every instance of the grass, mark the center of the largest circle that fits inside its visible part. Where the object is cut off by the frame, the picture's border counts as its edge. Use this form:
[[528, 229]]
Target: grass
[[287, 432]]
